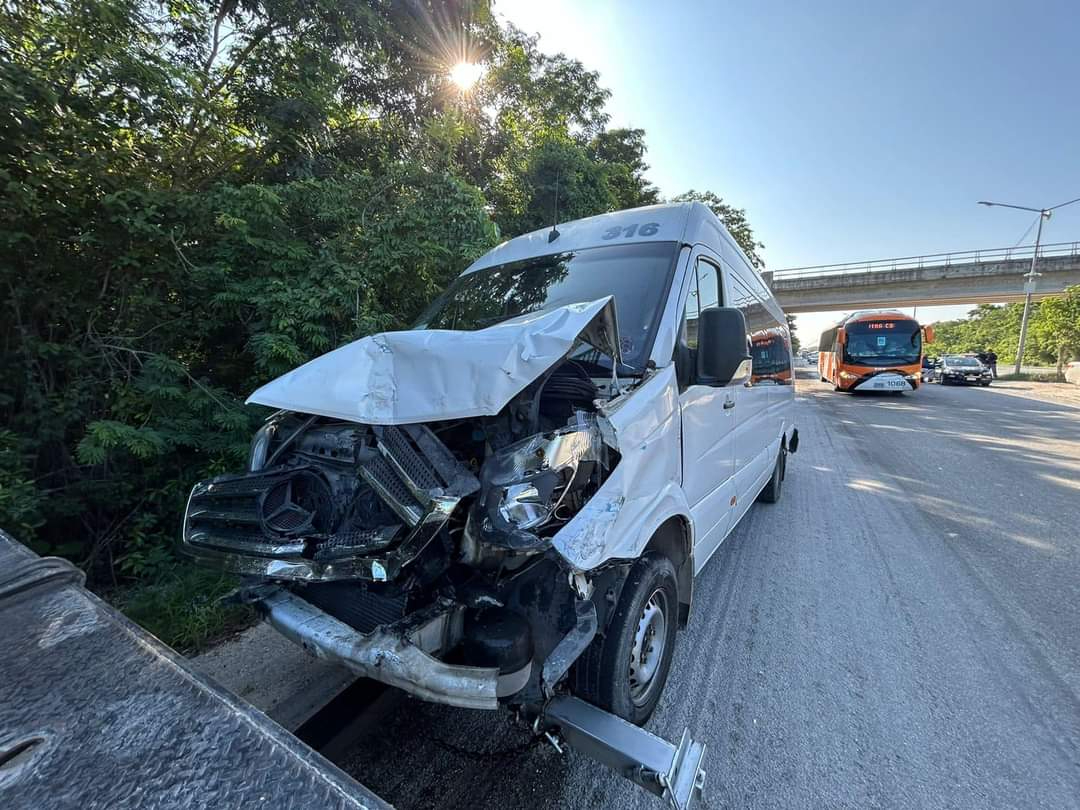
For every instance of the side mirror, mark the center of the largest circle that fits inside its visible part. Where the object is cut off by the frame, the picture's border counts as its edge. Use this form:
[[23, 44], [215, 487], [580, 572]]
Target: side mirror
[[721, 345], [928, 334], [841, 337]]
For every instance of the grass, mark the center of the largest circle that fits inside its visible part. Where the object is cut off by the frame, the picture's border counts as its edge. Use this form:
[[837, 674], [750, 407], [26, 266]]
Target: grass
[[1027, 376], [183, 607]]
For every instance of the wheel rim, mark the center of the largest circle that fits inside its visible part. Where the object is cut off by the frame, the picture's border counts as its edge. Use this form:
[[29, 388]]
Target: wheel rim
[[650, 645]]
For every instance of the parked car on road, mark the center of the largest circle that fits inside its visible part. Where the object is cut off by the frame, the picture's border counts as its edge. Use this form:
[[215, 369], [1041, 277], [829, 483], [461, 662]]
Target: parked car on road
[[963, 369]]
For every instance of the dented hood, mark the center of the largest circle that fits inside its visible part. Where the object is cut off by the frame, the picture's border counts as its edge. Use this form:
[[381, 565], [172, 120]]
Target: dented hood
[[398, 378]]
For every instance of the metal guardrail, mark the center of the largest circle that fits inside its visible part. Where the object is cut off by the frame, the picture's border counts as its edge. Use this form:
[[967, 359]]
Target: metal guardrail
[[929, 260]]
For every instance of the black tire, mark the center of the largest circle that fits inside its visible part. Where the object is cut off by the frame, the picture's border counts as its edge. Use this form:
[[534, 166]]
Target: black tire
[[775, 487], [605, 673]]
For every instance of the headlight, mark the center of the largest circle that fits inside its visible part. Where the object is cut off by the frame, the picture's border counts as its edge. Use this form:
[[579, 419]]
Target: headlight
[[523, 484], [847, 375]]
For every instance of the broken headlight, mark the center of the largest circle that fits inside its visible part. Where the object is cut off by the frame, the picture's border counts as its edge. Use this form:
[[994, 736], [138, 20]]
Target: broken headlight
[[524, 484]]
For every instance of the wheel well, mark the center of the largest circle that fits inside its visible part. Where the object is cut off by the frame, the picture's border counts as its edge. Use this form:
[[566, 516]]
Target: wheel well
[[673, 540]]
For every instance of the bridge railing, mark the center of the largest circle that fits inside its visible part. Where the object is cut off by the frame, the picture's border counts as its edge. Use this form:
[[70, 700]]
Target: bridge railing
[[930, 260]]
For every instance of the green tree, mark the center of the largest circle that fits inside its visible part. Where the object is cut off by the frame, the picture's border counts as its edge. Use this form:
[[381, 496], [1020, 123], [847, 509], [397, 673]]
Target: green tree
[[200, 195], [1057, 326], [734, 220], [622, 153], [796, 344]]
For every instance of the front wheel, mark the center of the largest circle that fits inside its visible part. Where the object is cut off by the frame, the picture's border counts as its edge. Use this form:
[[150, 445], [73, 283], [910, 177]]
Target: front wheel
[[625, 669]]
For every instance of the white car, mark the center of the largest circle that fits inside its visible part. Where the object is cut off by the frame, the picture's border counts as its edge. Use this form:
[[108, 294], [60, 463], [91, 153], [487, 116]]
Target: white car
[[508, 504], [1072, 373]]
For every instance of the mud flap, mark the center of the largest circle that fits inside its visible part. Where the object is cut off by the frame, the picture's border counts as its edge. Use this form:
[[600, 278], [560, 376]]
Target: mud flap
[[675, 773]]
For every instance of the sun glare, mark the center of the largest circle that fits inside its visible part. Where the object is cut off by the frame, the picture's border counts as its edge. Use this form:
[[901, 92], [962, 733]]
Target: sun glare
[[466, 74]]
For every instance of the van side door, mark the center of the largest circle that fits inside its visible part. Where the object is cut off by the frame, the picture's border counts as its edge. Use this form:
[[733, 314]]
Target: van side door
[[708, 420]]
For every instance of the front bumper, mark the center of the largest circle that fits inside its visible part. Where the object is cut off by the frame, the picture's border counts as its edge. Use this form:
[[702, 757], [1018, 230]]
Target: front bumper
[[886, 381], [398, 654], [967, 379]]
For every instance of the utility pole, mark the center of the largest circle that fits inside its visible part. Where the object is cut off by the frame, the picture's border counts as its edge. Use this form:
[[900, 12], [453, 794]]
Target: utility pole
[[1029, 288], [1029, 279]]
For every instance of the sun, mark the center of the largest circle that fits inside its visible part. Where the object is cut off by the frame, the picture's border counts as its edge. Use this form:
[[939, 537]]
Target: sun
[[466, 74]]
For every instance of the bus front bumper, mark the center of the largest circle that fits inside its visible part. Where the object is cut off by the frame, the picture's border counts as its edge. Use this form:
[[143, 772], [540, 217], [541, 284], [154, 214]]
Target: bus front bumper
[[888, 381]]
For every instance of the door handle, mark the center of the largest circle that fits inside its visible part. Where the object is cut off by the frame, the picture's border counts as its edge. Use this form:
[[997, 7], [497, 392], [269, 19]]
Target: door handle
[[729, 404]]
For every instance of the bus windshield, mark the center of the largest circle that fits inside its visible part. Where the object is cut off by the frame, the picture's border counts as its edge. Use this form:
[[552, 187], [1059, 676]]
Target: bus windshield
[[882, 343]]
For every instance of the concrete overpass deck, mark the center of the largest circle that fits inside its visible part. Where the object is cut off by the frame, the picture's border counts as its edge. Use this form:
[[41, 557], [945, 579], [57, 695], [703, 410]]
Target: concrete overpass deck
[[965, 277]]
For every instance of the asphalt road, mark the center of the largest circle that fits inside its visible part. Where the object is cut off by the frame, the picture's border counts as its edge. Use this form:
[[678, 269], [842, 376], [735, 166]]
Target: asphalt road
[[901, 630]]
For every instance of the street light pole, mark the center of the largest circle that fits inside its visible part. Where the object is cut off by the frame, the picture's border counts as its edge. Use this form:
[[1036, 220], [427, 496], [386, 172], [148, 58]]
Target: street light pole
[[1029, 288], [1029, 279]]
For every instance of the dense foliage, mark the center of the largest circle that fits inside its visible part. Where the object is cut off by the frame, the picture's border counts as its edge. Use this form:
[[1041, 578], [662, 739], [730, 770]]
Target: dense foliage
[[1053, 331], [200, 195]]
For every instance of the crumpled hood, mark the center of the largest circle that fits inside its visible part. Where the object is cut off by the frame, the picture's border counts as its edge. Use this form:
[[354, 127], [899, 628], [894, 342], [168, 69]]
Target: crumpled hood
[[400, 378]]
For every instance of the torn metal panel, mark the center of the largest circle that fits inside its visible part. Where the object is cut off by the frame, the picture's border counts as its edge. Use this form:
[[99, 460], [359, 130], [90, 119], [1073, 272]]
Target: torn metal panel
[[399, 378], [642, 490]]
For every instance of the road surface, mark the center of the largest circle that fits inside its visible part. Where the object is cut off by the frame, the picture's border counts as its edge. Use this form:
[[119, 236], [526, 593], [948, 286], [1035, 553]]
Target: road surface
[[901, 630]]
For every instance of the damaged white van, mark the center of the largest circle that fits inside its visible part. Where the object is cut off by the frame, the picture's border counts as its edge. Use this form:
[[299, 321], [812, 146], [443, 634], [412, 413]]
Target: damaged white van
[[507, 504]]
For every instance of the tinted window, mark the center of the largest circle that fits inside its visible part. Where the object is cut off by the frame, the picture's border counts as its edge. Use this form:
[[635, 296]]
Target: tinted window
[[637, 275]]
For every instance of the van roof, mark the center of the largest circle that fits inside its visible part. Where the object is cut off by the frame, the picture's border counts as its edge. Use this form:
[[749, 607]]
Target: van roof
[[686, 223]]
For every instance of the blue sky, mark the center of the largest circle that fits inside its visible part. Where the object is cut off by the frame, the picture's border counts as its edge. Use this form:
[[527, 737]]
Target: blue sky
[[847, 130]]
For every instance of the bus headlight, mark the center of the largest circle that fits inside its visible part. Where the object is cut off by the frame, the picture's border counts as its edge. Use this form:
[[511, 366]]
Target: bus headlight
[[847, 375]]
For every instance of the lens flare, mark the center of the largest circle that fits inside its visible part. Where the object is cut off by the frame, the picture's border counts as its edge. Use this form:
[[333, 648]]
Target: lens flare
[[466, 74]]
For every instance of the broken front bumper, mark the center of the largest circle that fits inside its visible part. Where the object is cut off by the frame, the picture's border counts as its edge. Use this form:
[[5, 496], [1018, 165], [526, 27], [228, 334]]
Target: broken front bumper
[[398, 654]]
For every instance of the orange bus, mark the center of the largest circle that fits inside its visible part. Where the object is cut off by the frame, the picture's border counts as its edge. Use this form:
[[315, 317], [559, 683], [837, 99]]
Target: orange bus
[[873, 351], [771, 357]]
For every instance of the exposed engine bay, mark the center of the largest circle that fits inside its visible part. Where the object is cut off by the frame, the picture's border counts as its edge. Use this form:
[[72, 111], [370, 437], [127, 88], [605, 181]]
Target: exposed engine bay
[[429, 539]]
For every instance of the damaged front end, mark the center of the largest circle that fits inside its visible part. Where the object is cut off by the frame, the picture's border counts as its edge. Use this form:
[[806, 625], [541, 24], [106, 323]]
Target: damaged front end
[[422, 511], [420, 554]]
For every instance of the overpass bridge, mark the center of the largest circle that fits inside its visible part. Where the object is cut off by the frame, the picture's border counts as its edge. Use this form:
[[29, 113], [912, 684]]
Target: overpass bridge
[[964, 277]]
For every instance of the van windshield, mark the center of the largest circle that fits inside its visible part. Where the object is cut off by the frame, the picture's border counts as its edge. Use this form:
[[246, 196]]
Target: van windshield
[[637, 275]]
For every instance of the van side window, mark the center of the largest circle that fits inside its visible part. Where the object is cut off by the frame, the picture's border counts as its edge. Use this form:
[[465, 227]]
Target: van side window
[[708, 284], [704, 293]]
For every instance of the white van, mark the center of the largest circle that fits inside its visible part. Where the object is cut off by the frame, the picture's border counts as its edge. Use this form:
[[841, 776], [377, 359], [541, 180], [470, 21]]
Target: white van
[[507, 505]]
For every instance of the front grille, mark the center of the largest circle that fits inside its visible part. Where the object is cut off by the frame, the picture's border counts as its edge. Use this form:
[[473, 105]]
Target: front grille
[[378, 472], [319, 519], [416, 468], [357, 606], [355, 542], [258, 513]]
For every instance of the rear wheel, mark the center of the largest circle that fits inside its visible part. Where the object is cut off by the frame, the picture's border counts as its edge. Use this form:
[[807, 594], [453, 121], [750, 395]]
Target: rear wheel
[[624, 671], [771, 493]]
